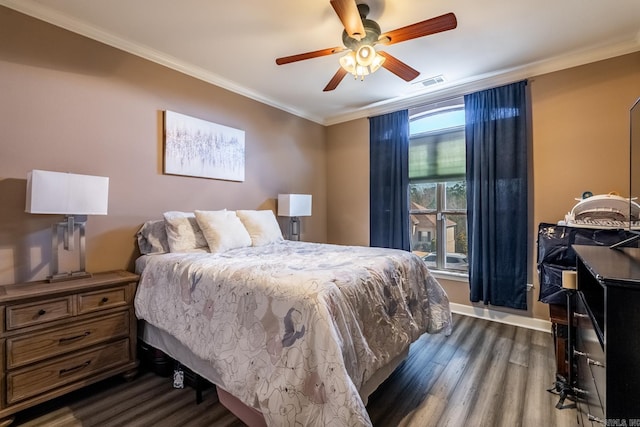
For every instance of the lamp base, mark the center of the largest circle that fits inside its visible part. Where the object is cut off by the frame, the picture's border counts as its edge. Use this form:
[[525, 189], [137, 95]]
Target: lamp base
[[68, 276], [67, 228], [294, 228]]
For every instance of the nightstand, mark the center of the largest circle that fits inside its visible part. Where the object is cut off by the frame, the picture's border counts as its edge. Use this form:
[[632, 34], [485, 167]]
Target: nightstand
[[59, 337]]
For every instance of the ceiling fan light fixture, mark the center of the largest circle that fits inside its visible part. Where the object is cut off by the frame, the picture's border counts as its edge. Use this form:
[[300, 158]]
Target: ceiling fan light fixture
[[362, 62], [348, 62], [377, 62], [365, 55], [361, 71]]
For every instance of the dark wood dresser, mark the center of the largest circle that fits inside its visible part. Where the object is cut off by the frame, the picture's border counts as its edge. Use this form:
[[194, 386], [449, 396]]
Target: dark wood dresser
[[58, 337], [607, 343]]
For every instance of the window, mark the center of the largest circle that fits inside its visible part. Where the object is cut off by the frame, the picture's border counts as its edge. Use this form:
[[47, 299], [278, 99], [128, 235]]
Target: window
[[437, 186]]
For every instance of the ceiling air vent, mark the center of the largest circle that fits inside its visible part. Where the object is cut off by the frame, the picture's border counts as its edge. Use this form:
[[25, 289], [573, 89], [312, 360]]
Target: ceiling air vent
[[431, 81]]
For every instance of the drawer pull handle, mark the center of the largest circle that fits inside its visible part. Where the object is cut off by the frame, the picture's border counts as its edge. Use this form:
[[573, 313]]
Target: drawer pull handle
[[580, 353], [42, 312], [104, 300], [75, 368], [77, 337], [595, 419], [592, 362], [579, 391], [580, 315]]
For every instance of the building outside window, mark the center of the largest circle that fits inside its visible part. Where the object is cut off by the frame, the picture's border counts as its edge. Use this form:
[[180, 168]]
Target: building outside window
[[437, 185]]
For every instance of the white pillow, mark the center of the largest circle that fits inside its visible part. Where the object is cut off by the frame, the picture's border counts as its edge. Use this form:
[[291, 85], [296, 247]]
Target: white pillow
[[223, 230], [183, 232], [262, 226]]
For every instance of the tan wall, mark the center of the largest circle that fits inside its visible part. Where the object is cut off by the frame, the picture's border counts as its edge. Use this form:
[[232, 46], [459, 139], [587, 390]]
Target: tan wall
[[348, 177], [581, 133], [580, 142], [581, 136], [71, 104]]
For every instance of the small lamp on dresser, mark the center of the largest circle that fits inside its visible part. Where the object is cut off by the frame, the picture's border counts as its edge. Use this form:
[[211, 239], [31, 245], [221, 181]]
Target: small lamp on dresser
[[72, 195], [294, 206]]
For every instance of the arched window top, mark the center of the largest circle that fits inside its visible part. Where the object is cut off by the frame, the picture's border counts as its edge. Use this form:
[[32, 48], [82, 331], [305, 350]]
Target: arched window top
[[437, 120]]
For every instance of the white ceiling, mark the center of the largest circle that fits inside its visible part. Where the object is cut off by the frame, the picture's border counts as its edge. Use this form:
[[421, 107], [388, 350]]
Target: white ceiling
[[233, 44]]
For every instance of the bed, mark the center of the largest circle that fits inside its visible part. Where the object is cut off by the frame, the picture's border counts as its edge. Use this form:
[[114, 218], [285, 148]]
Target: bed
[[299, 333]]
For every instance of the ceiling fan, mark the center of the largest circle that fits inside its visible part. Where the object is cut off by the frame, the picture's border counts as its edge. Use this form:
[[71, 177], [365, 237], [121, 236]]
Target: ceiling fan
[[359, 37]]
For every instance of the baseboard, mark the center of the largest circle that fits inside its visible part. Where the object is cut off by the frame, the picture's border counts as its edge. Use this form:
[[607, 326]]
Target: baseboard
[[501, 317]]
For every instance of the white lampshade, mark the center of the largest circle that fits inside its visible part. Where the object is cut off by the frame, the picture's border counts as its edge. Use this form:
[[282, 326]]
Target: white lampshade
[[66, 193], [294, 204]]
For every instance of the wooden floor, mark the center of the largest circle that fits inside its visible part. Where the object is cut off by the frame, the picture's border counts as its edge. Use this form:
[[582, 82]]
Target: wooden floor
[[484, 374]]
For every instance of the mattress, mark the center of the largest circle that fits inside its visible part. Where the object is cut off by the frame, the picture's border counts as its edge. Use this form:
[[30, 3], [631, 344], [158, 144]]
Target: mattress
[[294, 330]]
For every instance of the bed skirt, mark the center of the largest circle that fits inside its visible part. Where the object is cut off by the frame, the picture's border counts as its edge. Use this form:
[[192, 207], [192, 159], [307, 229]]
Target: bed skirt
[[169, 345]]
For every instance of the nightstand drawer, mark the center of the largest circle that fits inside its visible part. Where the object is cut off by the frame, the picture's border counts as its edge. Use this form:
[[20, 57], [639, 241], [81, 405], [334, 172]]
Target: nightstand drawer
[[35, 347], [63, 370], [19, 316], [100, 300]]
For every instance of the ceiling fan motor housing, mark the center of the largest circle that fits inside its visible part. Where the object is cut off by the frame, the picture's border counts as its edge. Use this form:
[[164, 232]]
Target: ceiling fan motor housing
[[372, 33], [371, 28]]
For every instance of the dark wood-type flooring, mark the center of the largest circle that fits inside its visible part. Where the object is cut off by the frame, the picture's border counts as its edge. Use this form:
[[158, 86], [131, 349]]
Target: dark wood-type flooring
[[484, 374]]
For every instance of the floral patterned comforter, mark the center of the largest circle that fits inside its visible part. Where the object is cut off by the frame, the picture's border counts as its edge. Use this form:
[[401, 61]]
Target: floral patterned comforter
[[294, 329]]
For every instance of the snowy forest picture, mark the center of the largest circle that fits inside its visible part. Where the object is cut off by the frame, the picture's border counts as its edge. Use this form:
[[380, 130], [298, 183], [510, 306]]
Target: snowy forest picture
[[195, 147]]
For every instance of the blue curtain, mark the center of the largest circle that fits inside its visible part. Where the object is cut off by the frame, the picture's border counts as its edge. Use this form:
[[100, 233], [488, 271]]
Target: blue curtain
[[496, 151], [389, 180]]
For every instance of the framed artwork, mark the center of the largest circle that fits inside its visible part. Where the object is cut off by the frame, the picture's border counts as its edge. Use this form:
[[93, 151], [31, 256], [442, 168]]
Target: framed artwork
[[195, 147]]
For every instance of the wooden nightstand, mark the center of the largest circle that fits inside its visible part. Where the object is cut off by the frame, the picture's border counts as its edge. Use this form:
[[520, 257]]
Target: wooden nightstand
[[58, 337]]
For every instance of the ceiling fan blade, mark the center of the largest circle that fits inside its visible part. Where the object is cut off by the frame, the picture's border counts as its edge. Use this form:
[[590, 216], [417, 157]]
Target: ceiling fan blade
[[347, 11], [309, 55], [335, 80], [398, 67], [420, 29]]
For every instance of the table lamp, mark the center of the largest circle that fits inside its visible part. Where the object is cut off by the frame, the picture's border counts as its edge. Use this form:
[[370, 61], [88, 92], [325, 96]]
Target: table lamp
[[72, 195], [294, 206]]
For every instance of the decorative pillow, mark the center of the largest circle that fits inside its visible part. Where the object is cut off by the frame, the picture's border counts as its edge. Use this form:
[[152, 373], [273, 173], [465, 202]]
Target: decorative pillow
[[183, 232], [223, 230], [152, 237], [262, 226]]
